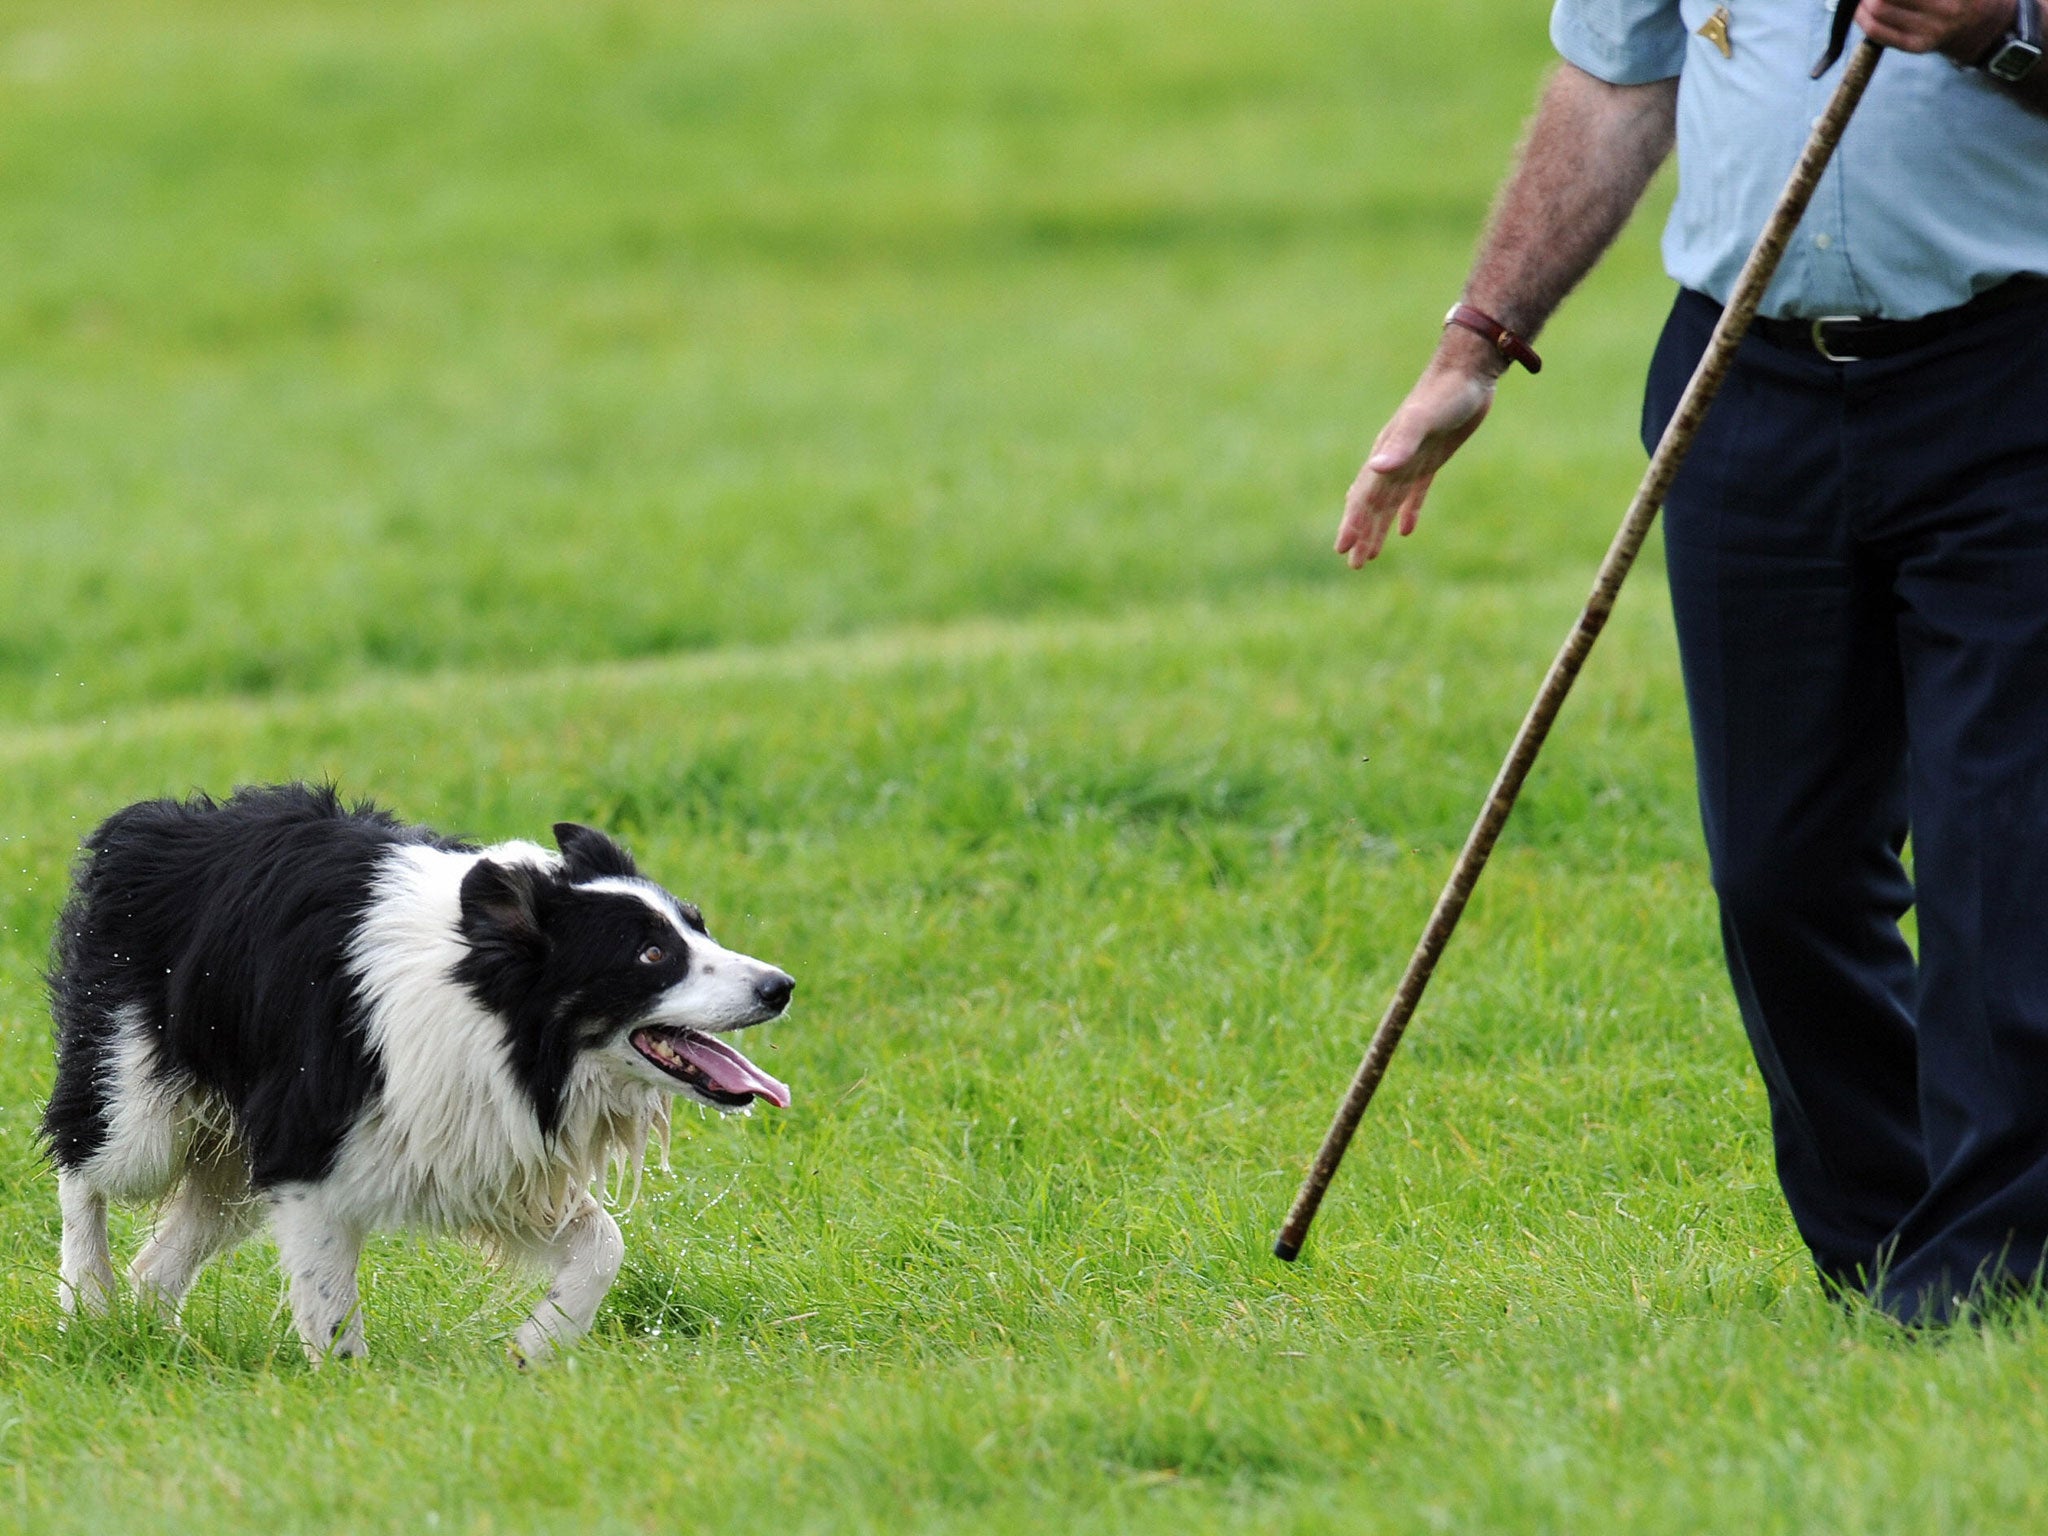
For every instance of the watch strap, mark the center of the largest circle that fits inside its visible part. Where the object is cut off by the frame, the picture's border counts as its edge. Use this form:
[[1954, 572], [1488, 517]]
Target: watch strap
[[2016, 54], [1505, 341]]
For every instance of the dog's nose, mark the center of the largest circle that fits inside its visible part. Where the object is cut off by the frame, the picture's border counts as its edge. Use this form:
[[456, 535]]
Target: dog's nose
[[774, 990]]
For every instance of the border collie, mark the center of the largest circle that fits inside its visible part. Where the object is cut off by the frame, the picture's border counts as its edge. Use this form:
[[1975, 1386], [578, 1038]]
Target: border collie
[[278, 1008]]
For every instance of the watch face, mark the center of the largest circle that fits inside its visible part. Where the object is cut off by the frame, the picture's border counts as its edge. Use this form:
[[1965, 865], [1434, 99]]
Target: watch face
[[2013, 60]]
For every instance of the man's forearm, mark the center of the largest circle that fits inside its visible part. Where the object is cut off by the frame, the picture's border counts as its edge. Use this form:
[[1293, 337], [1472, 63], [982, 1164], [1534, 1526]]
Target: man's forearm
[[1591, 150]]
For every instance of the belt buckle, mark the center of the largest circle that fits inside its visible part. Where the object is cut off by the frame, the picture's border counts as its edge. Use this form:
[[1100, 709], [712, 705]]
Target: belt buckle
[[1820, 342]]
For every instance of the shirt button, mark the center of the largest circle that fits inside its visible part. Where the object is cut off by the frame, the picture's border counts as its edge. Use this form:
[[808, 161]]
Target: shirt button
[[1822, 242]]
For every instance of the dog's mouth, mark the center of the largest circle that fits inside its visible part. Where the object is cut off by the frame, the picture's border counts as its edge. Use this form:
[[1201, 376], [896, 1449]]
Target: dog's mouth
[[708, 1067]]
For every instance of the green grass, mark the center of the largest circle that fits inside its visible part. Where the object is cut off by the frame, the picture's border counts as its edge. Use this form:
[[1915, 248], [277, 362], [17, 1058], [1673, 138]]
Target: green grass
[[879, 457]]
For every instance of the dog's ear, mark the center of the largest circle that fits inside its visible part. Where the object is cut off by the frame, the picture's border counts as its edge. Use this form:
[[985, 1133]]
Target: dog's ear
[[590, 855], [501, 909]]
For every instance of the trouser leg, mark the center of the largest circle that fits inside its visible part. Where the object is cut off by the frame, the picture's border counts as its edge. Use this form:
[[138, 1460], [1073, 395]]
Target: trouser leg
[[1796, 699], [1964, 436]]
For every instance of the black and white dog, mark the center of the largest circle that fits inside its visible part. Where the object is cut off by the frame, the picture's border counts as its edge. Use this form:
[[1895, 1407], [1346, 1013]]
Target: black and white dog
[[277, 1007]]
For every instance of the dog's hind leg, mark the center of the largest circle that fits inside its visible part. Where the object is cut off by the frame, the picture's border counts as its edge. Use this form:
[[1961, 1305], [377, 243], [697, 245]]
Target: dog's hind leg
[[211, 1211], [139, 1133], [319, 1252], [583, 1257], [85, 1268]]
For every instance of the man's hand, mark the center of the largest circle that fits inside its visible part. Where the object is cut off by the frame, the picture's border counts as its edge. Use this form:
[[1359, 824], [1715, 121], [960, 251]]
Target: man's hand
[[1591, 150], [1445, 407], [1962, 29]]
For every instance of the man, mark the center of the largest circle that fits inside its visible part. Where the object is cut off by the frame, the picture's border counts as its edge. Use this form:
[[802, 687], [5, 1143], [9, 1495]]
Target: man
[[1858, 555]]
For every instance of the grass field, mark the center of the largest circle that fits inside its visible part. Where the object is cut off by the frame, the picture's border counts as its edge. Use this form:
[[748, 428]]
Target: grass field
[[879, 457]]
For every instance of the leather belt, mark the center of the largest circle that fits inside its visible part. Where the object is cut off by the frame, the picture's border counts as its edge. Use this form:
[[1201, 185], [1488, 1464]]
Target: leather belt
[[1857, 338]]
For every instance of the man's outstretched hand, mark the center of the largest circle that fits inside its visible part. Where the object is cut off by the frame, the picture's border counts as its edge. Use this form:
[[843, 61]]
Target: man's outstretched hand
[[1445, 407]]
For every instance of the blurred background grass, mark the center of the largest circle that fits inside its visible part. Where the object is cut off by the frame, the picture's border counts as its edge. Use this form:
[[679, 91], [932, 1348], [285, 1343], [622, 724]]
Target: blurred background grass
[[345, 340]]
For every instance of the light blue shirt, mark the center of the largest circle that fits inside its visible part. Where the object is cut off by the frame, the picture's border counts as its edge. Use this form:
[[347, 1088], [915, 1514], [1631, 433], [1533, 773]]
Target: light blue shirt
[[1938, 191]]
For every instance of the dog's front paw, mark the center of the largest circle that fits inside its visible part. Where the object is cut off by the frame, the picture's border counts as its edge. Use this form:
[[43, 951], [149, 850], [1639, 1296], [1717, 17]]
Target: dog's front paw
[[530, 1348], [340, 1355], [153, 1300], [86, 1295]]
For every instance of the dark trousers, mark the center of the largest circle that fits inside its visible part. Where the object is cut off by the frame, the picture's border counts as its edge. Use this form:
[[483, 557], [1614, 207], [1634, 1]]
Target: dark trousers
[[1859, 568]]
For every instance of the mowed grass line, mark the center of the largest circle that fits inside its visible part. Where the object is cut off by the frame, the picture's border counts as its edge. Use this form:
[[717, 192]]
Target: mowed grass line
[[1089, 922]]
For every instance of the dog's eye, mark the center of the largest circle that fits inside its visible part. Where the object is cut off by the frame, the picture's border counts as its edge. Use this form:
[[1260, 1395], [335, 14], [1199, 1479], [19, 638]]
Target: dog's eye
[[653, 954]]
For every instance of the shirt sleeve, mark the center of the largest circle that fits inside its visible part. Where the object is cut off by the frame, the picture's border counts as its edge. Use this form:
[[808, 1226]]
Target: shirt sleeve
[[1624, 42]]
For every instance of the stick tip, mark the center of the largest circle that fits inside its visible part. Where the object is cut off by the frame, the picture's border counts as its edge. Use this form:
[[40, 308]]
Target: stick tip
[[1285, 1251]]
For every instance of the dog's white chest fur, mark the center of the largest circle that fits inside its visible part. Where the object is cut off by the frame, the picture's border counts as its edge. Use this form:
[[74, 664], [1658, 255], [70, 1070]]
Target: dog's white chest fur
[[451, 1141]]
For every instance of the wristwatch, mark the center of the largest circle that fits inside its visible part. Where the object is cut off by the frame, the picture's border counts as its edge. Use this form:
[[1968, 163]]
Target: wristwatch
[[2013, 57]]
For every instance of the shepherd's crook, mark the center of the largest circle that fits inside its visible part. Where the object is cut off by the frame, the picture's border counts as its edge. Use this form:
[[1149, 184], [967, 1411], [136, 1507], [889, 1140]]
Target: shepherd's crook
[[1635, 527]]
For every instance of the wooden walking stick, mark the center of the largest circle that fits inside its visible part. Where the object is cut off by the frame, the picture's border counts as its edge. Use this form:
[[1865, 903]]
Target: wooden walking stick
[[1621, 554]]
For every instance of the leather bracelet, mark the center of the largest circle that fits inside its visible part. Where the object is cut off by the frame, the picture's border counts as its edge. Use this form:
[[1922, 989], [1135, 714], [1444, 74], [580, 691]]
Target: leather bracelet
[[1505, 341]]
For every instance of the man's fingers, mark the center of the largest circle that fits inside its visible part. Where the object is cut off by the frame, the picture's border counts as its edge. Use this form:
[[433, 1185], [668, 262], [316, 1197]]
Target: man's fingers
[[1411, 504], [1367, 512], [1436, 418], [1922, 26], [1361, 535], [1366, 543], [1381, 499], [1351, 530], [1375, 539], [1374, 494]]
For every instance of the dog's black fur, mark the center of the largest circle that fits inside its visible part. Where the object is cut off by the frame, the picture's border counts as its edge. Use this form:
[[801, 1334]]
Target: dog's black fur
[[227, 924]]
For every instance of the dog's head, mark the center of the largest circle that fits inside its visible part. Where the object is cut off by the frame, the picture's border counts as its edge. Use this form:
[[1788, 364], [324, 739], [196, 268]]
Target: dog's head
[[586, 960]]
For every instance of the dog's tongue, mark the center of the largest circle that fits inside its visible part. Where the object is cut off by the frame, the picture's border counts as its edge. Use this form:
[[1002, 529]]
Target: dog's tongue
[[728, 1070]]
